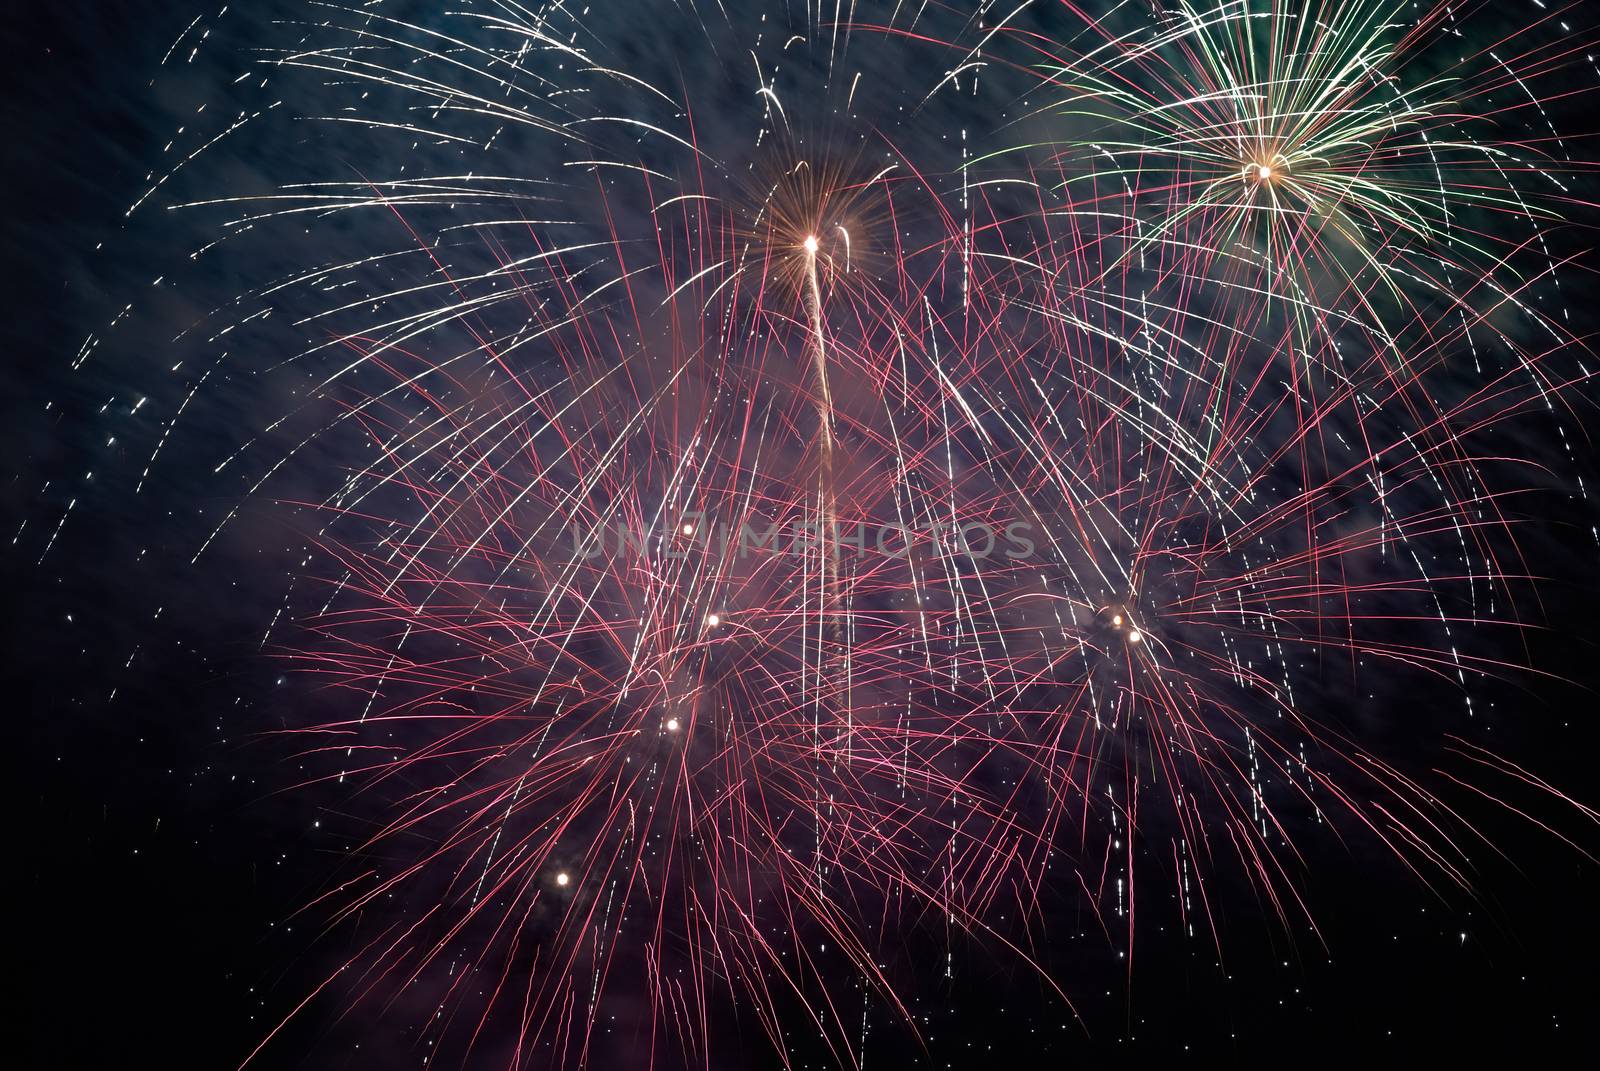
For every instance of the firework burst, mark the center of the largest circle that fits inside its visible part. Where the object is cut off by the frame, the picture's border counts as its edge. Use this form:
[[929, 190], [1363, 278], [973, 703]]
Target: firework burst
[[744, 555], [1339, 175]]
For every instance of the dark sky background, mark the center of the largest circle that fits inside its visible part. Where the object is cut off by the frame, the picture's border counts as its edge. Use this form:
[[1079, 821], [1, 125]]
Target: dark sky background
[[159, 864]]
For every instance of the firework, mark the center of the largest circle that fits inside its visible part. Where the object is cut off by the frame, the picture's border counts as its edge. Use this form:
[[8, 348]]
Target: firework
[[732, 559], [1343, 184]]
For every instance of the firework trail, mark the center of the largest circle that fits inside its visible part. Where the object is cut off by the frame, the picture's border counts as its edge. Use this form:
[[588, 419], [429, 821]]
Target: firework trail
[[817, 344], [1161, 412]]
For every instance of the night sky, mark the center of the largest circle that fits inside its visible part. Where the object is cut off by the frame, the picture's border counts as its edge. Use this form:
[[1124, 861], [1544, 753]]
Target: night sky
[[236, 282]]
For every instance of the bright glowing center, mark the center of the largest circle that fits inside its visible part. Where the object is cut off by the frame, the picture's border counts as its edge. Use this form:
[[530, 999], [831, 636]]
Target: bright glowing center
[[713, 620], [1264, 172], [562, 879], [811, 244], [672, 725]]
